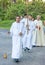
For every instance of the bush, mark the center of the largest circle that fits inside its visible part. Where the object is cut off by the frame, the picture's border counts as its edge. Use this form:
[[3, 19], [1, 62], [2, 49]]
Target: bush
[[9, 11], [14, 9]]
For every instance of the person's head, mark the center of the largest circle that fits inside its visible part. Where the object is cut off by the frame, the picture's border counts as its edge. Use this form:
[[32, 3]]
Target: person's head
[[38, 17], [30, 17], [21, 17], [25, 16], [44, 23], [17, 19]]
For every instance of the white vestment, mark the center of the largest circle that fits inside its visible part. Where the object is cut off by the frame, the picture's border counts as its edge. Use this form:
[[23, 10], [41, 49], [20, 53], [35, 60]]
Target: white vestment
[[16, 28], [40, 34], [27, 37], [24, 21], [34, 34]]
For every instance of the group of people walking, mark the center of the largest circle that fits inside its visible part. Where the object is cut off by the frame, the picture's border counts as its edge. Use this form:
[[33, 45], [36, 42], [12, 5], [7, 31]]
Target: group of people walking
[[26, 33]]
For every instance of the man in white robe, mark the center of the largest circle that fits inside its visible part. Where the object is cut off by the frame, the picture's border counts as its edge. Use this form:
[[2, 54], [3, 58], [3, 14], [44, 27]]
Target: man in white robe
[[34, 34], [33, 31], [16, 31], [24, 21], [39, 32], [44, 26], [28, 35]]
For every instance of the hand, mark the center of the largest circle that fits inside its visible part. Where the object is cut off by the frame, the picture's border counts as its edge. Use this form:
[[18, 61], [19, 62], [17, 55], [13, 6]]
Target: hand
[[27, 25], [20, 33], [39, 27], [28, 29], [8, 32], [36, 26]]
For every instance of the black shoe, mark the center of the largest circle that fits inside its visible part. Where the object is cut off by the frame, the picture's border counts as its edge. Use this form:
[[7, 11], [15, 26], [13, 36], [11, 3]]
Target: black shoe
[[24, 49], [34, 45], [16, 60], [27, 48]]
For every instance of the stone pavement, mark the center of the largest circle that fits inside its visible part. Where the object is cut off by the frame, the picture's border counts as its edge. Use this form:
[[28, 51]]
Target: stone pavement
[[35, 57]]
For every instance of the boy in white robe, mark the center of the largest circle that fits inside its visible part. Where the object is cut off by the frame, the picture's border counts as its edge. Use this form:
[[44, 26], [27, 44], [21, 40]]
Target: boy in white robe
[[16, 31]]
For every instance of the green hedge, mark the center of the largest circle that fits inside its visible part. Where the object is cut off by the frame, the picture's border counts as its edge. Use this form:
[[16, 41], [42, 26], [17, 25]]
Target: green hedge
[[10, 11]]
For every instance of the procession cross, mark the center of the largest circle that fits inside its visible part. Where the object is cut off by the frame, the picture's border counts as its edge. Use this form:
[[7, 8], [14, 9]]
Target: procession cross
[[27, 26]]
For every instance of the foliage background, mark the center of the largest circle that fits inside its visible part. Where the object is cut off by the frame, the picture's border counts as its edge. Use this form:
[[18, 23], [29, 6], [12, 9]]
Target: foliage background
[[9, 10]]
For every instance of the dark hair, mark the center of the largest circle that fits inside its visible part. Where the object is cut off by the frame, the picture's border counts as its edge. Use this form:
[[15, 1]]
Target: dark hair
[[30, 15], [17, 16], [25, 14]]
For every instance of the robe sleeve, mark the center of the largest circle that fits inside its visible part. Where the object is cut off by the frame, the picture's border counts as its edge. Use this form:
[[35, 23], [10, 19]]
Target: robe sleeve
[[32, 26]]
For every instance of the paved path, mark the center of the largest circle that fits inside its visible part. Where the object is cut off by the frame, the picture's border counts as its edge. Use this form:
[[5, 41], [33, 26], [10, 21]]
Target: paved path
[[35, 57]]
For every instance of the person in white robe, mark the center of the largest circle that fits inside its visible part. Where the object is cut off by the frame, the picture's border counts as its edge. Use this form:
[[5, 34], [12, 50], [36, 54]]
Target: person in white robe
[[39, 32], [24, 20], [27, 38], [34, 35], [16, 31], [44, 26], [31, 19]]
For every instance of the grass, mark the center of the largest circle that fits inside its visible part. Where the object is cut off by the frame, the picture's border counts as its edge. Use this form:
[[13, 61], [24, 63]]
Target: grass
[[6, 24]]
